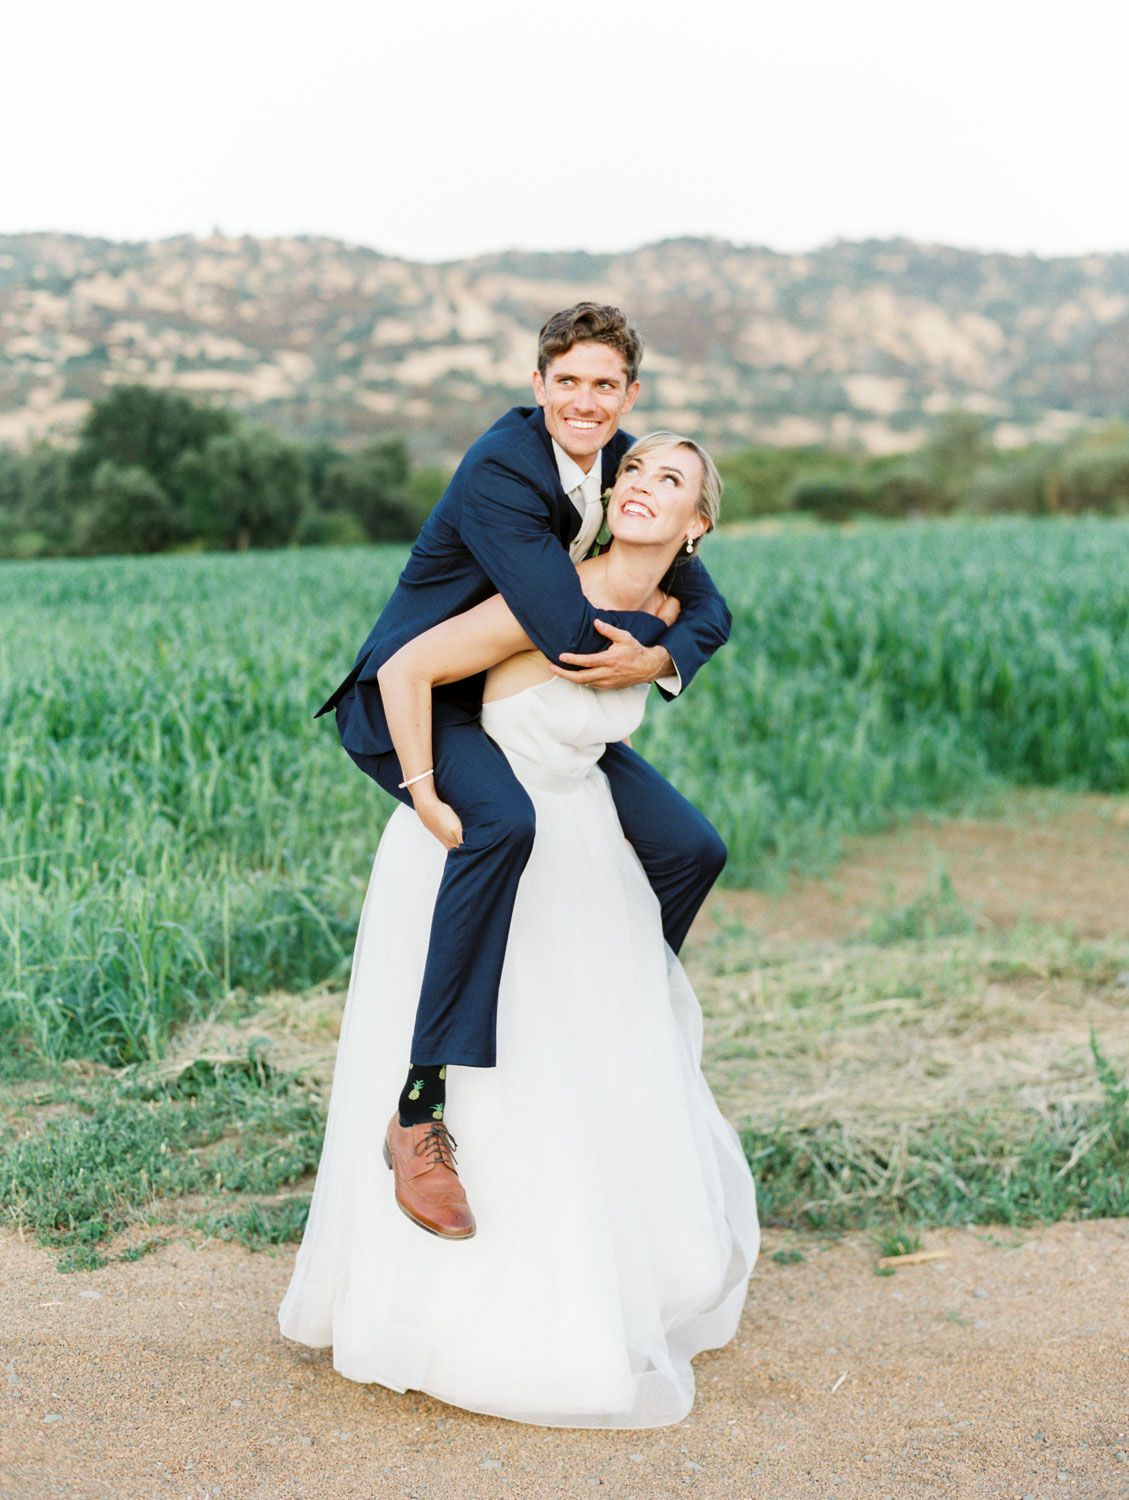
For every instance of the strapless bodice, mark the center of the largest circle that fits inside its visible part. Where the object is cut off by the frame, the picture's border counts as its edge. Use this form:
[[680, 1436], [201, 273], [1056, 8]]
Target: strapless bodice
[[554, 732]]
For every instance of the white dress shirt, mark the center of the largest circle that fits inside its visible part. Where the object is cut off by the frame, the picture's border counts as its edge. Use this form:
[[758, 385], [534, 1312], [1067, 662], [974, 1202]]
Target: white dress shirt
[[584, 491]]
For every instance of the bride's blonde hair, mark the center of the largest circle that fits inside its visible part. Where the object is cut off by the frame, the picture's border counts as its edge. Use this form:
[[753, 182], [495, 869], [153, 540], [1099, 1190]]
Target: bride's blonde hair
[[709, 501]]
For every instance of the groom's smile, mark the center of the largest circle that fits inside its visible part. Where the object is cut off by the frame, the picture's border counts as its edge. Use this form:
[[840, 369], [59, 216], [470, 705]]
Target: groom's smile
[[584, 393]]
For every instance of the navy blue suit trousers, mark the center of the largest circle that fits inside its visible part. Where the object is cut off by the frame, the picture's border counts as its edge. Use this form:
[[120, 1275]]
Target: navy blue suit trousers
[[681, 852]]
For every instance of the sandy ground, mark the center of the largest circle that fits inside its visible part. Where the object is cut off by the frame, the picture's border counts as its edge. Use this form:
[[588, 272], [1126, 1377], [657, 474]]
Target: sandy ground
[[1000, 1371], [1051, 857]]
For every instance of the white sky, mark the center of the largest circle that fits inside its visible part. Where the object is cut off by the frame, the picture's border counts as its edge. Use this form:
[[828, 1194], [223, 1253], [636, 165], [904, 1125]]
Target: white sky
[[438, 130]]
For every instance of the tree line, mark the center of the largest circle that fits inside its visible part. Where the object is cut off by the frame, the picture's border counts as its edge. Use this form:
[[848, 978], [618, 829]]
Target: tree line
[[154, 470], [958, 469]]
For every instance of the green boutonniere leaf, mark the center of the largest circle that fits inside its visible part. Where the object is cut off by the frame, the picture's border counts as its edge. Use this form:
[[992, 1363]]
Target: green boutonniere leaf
[[603, 536]]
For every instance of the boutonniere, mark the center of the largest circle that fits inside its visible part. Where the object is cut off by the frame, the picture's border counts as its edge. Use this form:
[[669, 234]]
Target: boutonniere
[[603, 536]]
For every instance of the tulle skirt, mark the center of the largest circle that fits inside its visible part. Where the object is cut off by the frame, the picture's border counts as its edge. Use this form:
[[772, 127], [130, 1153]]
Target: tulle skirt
[[616, 1213]]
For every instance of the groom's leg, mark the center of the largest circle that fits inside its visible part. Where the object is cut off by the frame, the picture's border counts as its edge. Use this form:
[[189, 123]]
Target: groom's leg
[[456, 1018], [681, 851]]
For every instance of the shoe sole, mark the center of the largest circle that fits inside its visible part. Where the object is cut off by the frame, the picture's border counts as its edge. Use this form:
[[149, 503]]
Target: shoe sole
[[408, 1214]]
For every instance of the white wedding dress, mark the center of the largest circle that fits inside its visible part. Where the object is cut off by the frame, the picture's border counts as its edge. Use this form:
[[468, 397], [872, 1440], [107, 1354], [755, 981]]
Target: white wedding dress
[[616, 1214]]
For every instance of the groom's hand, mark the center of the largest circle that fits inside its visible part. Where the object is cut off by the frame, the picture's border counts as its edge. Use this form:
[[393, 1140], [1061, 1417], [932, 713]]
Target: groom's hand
[[623, 664]]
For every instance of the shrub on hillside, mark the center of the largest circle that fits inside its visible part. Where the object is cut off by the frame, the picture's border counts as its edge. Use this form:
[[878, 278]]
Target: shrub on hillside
[[829, 497], [1023, 485], [1095, 480], [757, 479], [330, 528], [959, 442], [907, 490]]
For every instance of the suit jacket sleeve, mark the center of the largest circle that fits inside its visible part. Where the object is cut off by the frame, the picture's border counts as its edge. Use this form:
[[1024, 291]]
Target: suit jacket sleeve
[[703, 624], [505, 524]]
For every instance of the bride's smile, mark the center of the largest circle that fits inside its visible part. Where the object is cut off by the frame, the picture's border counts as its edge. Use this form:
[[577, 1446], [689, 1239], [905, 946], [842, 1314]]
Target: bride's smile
[[655, 498]]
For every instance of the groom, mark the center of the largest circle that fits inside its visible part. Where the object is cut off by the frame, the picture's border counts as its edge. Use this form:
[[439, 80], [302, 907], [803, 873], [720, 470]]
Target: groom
[[521, 510]]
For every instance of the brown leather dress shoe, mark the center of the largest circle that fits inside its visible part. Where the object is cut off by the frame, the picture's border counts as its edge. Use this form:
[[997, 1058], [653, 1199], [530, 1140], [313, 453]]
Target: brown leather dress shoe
[[428, 1189]]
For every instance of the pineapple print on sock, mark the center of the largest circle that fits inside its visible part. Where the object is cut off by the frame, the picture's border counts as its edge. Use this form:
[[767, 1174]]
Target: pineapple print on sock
[[424, 1094]]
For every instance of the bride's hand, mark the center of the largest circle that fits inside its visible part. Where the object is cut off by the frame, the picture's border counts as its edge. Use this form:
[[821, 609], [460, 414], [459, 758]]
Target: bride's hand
[[441, 820], [669, 609]]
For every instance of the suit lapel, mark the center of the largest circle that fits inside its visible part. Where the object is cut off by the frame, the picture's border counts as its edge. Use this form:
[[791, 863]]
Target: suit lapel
[[566, 515]]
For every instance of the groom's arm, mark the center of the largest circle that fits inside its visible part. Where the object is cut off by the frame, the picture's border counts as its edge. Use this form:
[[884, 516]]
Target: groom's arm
[[505, 524], [703, 624]]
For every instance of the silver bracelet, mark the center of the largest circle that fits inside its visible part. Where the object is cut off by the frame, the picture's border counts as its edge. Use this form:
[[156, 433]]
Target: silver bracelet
[[412, 779]]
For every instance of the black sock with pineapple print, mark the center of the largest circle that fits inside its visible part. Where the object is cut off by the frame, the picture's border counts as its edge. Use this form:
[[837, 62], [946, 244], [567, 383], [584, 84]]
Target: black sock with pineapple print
[[424, 1094]]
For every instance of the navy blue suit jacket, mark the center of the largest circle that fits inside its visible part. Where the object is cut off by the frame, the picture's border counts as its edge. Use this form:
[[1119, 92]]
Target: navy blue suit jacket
[[503, 525]]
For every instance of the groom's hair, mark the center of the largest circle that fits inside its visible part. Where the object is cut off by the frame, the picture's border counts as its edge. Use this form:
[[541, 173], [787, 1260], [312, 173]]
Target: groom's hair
[[592, 323]]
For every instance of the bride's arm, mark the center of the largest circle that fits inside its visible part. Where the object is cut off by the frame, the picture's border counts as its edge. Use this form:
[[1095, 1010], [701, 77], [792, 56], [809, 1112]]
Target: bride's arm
[[448, 652]]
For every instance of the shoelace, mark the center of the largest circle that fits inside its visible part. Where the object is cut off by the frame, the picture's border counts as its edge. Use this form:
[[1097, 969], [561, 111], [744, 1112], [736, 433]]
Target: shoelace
[[438, 1140]]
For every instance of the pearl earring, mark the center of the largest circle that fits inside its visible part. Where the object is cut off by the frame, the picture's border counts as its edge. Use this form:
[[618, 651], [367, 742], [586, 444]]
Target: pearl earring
[[689, 546]]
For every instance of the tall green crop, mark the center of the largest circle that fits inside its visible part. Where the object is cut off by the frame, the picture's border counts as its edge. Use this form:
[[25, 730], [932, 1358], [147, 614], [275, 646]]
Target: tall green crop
[[175, 825]]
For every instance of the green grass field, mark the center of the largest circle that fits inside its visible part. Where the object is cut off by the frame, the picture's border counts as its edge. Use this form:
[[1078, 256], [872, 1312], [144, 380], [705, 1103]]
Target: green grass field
[[913, 1077], [176, 827], [183, 855]]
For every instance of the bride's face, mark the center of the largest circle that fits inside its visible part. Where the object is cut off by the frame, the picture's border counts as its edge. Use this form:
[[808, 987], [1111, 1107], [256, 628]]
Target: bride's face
[[655, 499]]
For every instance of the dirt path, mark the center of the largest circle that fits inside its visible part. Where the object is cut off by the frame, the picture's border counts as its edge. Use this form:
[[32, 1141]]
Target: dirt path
[[1049, 856], [1001, 1371]]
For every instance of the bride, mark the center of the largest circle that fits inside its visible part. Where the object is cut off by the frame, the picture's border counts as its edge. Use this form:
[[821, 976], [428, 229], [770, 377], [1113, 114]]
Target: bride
[[616, 1225]]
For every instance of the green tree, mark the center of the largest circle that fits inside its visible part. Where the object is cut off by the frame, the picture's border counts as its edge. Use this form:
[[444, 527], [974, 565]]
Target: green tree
[[246, 488], [1095, 479], [11, 500], [831, 497], [425, 490], [319, 458], [330, 528], [36, 505], [757, 479], [1023, 482], [128, 511], [906, 489], [373, 485], [960, 441], [137, 426]]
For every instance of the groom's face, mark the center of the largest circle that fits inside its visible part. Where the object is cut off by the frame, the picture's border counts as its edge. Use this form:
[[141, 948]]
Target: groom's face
[[584, 393]]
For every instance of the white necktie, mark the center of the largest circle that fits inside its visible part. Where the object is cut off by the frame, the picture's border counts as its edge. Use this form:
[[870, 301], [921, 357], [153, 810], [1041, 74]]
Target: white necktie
[[586, 498]]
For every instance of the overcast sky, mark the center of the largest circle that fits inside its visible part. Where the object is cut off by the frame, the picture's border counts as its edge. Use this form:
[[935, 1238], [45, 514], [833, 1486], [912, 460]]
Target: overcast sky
[[438, 130]]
